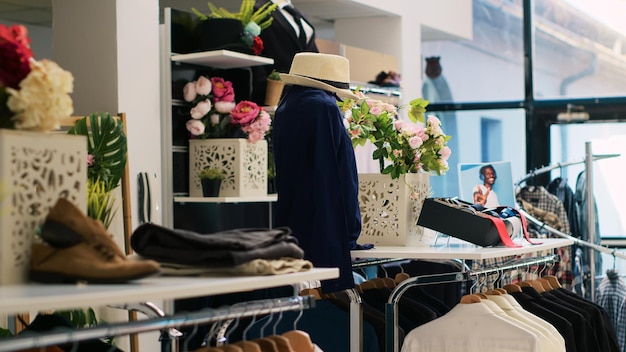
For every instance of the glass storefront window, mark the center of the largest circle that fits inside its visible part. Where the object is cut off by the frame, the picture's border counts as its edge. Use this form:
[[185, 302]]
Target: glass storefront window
[[579, 49]]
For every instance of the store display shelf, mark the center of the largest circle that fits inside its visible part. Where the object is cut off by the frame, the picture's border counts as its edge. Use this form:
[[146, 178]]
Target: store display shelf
[[457, 249], [223, 59], [251, 199], [23, 298]]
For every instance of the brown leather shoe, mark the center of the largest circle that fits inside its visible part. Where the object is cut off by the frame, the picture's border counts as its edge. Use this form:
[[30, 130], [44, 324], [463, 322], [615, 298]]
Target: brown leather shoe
[[66, 217], [78, 248], [85, 262]]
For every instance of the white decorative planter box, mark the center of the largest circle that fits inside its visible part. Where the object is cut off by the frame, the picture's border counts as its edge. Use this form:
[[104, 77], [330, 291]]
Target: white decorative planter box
[[388, 212], [245, 165], [36, 169]]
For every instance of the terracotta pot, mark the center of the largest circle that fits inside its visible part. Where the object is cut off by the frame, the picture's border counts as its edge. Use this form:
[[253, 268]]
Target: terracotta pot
[[274, 92]]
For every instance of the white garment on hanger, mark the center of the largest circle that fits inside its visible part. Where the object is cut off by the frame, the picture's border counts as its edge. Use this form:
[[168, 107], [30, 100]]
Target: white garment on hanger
[[530, 315], [545, 342], [529, 318], [470, 328]]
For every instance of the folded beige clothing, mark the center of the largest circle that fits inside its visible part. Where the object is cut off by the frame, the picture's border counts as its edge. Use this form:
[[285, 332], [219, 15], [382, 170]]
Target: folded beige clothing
[[257, 267]]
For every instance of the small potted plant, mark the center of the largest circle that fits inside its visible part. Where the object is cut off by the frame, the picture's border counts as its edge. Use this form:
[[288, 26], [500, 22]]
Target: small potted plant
[[211, 179], [274, 89]]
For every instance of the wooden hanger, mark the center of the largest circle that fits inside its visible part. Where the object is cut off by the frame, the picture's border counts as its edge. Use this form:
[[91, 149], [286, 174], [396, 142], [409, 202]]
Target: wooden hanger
[[471, 298], [282, 343], [511, 288], [368, 285], [501, 290], [546, 284], [538, 286], [493, 292], [300, 340], [315, 292], [401, 277], [481, 295], [266, 344], [554, 282], [248, 346], [389, 282], [231, 348]]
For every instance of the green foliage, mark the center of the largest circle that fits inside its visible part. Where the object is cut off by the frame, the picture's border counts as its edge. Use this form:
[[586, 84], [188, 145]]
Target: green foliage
[[274, 76], [417, 109], [246, 13], [100, 202], [106, 141], [5, 332], [212, 173]]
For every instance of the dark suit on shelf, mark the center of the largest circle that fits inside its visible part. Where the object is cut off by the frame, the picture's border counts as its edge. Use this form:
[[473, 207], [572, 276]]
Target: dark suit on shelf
[[281, 44]]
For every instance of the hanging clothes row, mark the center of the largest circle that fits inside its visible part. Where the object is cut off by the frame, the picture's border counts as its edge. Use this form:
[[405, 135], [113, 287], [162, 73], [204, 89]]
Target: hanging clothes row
[[73, 338], [565, 210], [532, 315]]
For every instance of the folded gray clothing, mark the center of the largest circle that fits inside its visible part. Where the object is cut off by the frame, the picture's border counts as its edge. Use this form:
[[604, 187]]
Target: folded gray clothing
[[224, 248], [256, 267]]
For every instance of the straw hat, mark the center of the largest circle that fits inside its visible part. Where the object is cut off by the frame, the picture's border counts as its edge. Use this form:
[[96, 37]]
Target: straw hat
[[323, 71]]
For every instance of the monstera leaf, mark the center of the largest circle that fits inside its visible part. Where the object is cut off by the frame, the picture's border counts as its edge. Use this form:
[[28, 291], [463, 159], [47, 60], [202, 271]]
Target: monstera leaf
[[106, 143]]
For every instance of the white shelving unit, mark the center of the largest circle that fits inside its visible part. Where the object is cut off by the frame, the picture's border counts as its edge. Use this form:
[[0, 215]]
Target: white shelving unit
[[23, 298], [223, 59], [458, 249], [256, 199]]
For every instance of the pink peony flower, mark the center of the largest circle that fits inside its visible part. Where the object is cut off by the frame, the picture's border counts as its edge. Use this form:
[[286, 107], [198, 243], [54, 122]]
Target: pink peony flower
[[201, 109], [189, 92], [195, 127], [244, 113], [215, 119], [203, 86], [222, 90]]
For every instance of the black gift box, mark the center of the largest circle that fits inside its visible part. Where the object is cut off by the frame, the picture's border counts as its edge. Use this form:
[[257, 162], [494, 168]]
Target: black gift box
[[458, 219]]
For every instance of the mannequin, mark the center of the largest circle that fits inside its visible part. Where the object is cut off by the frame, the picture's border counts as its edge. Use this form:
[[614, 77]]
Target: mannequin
[[281, 42]]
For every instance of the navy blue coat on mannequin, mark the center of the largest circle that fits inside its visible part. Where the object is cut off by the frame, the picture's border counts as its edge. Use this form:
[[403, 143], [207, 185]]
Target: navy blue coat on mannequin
[[317, 180]]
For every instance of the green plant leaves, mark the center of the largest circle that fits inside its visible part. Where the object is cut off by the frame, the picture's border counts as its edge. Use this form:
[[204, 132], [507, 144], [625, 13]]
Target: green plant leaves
[[106, 141]]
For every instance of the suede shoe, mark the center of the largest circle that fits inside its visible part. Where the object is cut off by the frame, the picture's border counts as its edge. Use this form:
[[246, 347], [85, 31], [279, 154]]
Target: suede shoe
[[78, 248], [83, 261], [65, 217]]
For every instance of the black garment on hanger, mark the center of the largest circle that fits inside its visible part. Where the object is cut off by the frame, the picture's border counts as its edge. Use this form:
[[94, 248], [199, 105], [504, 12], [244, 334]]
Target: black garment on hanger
[[564, 192], [565, 327], [608, 327], [585, 338]]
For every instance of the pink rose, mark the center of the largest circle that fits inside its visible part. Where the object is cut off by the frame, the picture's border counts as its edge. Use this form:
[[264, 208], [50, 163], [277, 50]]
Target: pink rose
[[222, 90], [397, 124], [433, 120], [445, 153], [224, 107], [201, 109], [195, 127], [215, 119], [203, 86], [244, 113], [415, 142], [189, 92], [90, 160], [376, 110]]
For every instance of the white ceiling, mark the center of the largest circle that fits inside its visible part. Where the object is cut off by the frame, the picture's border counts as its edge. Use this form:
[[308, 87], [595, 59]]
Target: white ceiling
[[320, 12]]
